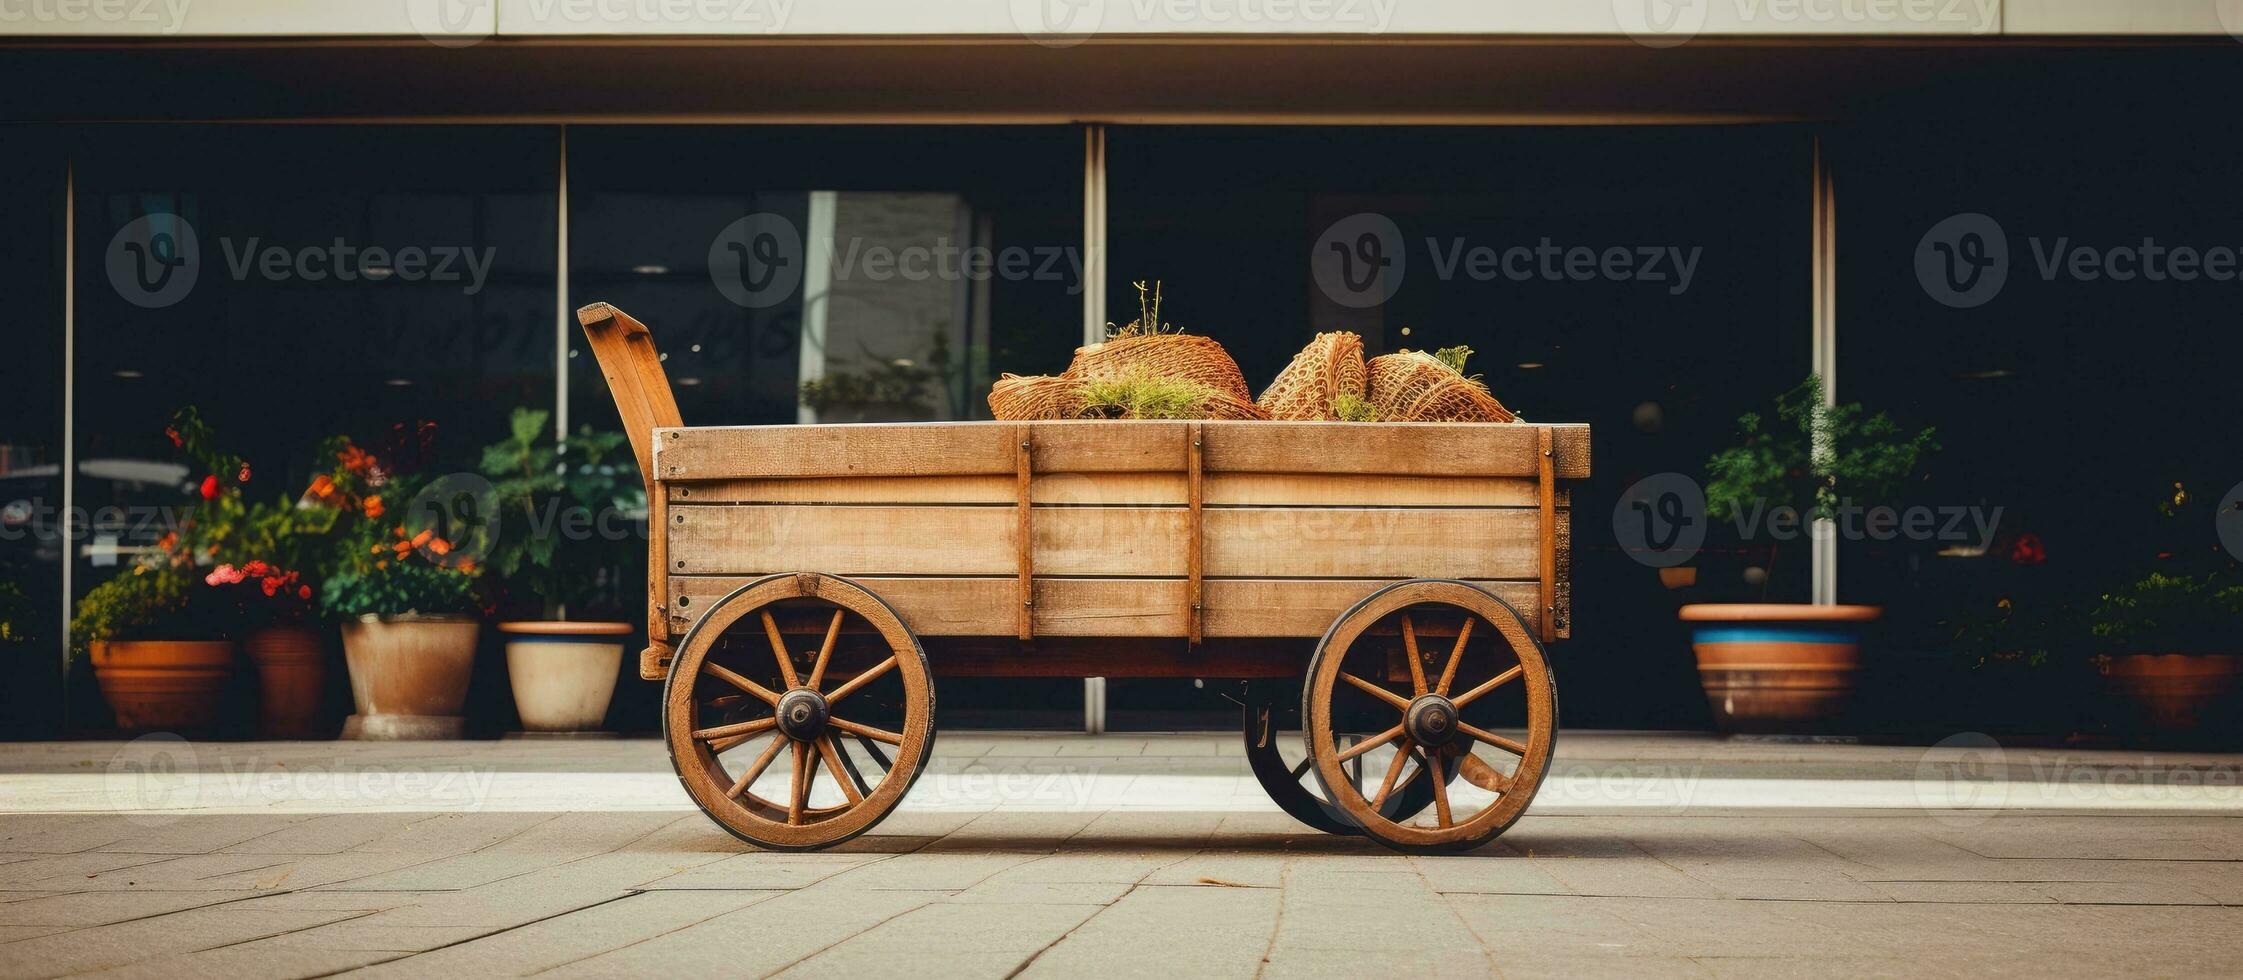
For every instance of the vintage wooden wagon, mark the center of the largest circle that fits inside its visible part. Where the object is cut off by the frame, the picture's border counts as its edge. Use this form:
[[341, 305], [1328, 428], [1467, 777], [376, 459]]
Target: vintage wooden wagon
[[807, 583]]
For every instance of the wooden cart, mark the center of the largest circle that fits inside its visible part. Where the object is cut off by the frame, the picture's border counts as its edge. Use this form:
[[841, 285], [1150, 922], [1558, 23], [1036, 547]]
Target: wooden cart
[[806, 583]]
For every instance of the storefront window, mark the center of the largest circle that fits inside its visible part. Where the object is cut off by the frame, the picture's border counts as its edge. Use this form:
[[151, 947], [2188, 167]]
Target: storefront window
[[297, 283], [31, 548], [1650, 281], [837, 274]]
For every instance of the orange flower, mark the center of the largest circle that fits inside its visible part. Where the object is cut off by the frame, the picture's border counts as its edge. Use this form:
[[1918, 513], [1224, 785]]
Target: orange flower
[[323, 487], [440, 546], [424, 537], [372, 506], [377, 549], [355, 460]]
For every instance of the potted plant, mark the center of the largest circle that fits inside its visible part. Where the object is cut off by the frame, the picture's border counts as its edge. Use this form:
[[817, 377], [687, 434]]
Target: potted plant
[[159, 638], [401, 575], [159, 644], [260, 551], [2168, 645], [557, 553], [1773, 665]]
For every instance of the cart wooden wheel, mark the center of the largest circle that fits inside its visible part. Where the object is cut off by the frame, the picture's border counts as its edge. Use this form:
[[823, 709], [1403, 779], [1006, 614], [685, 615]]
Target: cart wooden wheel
[[1447, 662], [820, 679], [1294, 789]]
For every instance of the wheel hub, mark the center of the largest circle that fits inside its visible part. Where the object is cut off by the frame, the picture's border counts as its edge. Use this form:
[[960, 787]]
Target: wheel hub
[[1431, 721], [802, 714]]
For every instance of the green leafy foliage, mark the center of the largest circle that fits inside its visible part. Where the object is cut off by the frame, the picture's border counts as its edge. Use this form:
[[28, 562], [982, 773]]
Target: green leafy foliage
[[2169, 613], [15, 615], [1142, 396], [1354, 408], [567, 516], [154, 600], [1815, 459], [1148, 320], [1454, 357]]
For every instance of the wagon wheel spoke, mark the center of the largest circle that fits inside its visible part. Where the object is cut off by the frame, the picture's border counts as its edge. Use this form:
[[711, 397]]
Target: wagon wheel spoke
[[742, 728], [848, 765], [1398, 701], [734, 678], [1494, 682], [1481, 774], [1393, 770], [1512, 746], [779, 649], [866, 731], [1456, 656], [848, 780], [1440, 789], [756, 768], [1417, 664], [798, 789], [1302, 769], [858, 682], [873, 748], [825, 654], [1369, 743]]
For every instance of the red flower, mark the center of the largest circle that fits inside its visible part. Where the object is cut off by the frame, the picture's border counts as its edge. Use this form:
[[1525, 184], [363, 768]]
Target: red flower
[[304, 592], [2028, 550], [257, 568], [210, 487], [173, 434], [243, 476]]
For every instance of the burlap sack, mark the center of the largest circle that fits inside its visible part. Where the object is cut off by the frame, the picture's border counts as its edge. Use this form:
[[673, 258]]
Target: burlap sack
[[1018, 397], [1168, 355], [1330, 366], [1414, 386]]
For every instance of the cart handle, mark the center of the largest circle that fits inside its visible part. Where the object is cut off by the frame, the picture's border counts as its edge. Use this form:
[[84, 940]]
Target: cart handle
[[633, 369]]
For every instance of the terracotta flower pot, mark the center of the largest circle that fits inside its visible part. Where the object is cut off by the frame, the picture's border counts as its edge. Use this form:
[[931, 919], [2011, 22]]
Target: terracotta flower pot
[[174, 685], [1771, 667], [2175, 691], [563, 673], [291, 676], [408, 676]]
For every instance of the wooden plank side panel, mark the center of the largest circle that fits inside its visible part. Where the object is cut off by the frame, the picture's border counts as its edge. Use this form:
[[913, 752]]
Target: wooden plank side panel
[[985, 448], [1125, 489], [1074, 607], [1241, 542]]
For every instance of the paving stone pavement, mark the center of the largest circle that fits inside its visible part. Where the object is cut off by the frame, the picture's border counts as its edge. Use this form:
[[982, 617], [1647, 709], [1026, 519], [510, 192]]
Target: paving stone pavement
[[1155, 856]]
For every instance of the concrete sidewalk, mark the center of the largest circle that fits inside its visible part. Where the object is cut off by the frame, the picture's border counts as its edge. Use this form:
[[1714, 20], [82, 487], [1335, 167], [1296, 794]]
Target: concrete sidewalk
[[1119, 855]]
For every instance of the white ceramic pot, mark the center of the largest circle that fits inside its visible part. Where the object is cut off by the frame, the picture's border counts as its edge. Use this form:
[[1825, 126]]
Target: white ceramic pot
[[563, 673]]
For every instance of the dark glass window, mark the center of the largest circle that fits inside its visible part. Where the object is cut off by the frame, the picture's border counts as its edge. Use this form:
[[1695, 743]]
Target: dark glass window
[[296, 283], [836, 274], [32, 178], [1662, 289]]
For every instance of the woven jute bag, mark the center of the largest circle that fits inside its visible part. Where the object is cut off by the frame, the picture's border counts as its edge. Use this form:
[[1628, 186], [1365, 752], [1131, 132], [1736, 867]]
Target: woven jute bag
[[1016, 397], [1414, 386], [1330, 366], [1189, 357]]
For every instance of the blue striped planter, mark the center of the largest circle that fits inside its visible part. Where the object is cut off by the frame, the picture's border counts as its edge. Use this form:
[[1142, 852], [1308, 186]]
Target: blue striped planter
[[1777, 667]]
